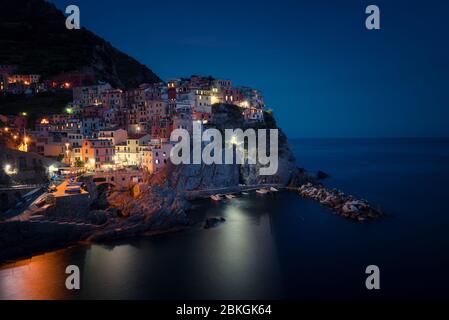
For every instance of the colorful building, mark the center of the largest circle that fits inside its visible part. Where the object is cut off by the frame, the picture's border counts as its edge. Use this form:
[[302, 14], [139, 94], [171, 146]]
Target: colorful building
[[98, 153], [156, 155]]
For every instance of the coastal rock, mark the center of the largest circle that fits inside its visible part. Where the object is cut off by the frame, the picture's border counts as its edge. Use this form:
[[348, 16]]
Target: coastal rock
[[213, 222], [97, 217], [338, 202], [191, 178], [322, 175]]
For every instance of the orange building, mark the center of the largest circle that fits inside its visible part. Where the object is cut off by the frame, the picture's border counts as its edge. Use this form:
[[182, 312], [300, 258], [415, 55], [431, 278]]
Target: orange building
[[97, 153]]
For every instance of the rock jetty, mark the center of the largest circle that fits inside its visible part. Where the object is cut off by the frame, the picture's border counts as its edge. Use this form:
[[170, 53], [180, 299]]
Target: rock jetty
[[345, 205]]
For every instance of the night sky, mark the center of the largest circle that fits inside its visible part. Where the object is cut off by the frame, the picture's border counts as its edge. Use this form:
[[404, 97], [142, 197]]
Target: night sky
[[323, 73]]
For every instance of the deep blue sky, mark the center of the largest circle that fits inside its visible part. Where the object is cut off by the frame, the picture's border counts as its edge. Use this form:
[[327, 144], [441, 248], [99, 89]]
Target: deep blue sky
[[321, 71]]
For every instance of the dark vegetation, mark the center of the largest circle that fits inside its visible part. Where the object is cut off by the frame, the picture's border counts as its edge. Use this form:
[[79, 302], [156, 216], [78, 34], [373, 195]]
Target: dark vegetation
[[33, 36], [41, 104]]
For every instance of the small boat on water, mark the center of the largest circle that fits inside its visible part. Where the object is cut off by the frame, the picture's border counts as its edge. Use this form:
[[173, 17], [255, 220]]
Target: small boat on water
[[274, 189], [262, 191], [215, 197], [229, 196], [245, 193]]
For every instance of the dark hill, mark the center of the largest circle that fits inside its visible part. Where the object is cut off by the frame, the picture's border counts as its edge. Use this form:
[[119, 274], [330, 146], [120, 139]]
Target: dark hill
[[33, 36]]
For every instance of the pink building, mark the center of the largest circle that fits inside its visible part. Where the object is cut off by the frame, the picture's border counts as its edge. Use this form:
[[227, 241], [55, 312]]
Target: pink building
[[97, 153]]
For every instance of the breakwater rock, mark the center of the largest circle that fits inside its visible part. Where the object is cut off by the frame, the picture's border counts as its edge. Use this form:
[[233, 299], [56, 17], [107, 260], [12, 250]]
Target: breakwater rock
[[345, 205]]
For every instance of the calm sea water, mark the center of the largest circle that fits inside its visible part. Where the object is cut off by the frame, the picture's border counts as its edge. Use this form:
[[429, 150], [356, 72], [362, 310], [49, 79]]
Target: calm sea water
[[282, 246]]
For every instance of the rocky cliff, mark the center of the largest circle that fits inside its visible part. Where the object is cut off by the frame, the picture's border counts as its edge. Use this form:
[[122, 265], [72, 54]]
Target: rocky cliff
[[197, 177]]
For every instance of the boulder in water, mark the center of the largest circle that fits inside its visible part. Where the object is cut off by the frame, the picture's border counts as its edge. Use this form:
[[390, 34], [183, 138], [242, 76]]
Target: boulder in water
[[322, 175], [213, 222]]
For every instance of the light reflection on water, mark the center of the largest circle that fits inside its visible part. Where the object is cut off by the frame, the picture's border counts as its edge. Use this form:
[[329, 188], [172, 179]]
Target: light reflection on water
[[41, 277], [235, 259]]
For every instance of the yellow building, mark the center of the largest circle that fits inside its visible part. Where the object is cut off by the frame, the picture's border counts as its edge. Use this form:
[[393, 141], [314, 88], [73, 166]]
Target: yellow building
[[129, 152]]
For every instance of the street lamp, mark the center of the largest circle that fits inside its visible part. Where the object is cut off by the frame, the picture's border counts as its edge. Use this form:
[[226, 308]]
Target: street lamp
[[24, 146], [67, 152], [92, 163], [8, 169]]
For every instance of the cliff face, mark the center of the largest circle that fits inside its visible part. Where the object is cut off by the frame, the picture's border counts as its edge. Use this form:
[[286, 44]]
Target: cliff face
[[33, 36], [195, 177]]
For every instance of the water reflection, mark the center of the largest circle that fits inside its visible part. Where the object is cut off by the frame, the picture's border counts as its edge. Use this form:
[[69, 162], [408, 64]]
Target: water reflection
[[235, 260], [42, 277]]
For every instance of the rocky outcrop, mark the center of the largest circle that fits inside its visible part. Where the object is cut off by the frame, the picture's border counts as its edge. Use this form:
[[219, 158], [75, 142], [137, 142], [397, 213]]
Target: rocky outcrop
[[145, 209], [195, 177], [213, 222], [322, 175]]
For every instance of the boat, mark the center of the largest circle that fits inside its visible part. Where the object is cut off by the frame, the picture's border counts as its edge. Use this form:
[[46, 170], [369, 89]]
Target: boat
[[230, 196], [215, 197], [274, 189], [245, 193], [262, 191]]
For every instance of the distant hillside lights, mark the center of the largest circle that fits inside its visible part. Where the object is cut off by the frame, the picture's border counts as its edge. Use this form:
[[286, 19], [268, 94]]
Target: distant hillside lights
[[212, 152]]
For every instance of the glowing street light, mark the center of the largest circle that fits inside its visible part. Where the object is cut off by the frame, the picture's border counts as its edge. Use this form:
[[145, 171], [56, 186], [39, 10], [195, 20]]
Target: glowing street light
[[52, 169], [67, 152], [214, 100], [8, 169], [24, 145], [233, 140]]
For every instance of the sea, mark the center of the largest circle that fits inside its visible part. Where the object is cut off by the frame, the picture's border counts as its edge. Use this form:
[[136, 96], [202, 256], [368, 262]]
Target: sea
[[281, 246]]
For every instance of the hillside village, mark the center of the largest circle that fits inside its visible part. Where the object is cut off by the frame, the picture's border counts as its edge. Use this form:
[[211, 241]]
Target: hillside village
[[105, 128]]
